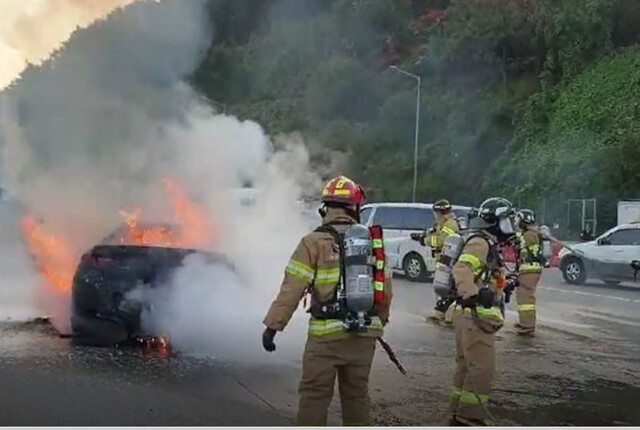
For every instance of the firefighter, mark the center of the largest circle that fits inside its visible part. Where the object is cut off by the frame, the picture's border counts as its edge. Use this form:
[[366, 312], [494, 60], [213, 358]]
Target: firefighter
[[331, 349], [446, 225], [531, 265], [477, 274]]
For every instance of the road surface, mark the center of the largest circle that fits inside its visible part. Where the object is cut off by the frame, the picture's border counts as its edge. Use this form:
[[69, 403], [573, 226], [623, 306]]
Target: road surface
[[581, 368]]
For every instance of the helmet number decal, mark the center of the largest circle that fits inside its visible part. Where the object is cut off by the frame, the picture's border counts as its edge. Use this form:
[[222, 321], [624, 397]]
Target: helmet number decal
[[341, 183]]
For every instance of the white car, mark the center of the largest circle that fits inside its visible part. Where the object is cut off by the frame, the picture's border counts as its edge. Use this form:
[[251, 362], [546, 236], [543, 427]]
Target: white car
[[398, 221], [607, 258]]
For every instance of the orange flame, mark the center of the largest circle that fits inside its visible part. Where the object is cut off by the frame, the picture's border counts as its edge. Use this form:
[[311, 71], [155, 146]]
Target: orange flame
[[193, 229], [146, 236], [54, 259], [196, 227]]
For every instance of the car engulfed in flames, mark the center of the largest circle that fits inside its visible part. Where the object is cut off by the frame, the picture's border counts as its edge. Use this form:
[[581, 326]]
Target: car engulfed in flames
[[136, 254]]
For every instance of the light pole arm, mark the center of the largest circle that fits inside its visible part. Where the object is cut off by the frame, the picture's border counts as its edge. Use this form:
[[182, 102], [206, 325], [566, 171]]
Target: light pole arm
[[404, 72]]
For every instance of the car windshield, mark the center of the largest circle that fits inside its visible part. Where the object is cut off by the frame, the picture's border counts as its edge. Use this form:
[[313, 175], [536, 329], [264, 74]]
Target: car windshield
[[607, 233], [365, 214], [624, 237]]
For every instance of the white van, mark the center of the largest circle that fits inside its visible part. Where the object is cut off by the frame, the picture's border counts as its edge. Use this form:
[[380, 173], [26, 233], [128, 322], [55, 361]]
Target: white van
[[398, 221]]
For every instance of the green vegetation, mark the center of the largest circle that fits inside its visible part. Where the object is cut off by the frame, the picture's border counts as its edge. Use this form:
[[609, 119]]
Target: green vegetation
[[535, 99]]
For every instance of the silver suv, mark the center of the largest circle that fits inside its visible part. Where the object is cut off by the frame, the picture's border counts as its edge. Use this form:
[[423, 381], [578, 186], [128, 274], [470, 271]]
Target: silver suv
[[398, 221], [607, 258]]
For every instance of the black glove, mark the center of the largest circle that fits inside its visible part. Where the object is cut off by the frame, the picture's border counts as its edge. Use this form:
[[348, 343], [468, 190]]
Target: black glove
[[267, 339], [486, 297], [417, 236]]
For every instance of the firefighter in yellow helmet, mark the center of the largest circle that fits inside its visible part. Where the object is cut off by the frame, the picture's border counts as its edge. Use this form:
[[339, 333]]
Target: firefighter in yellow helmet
[[531, 265], [446, 225], [343, 327], [478, 273]]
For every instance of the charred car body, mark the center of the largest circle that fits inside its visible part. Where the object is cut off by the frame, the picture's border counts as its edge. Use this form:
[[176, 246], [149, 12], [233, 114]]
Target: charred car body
[[102, 313]]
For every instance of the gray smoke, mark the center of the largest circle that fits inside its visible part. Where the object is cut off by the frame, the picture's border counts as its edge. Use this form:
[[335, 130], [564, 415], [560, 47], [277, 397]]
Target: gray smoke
[[96, 129]]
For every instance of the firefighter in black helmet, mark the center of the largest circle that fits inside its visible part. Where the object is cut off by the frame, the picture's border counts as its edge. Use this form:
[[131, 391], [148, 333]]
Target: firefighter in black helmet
[[477, 274], [446, 225], [531, 265]]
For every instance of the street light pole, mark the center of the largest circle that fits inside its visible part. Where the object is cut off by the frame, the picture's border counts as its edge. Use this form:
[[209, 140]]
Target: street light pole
[[417, 131]]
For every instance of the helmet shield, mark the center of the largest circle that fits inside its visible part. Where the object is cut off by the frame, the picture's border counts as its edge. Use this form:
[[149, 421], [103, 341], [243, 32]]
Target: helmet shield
[[507, 226]]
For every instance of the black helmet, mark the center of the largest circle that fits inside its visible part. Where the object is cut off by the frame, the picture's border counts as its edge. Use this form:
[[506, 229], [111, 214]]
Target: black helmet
[[525, 217], [442, 205], [496, 216]]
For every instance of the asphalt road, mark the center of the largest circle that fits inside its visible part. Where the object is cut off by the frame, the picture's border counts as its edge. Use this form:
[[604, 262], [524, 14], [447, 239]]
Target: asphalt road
[[581, 368]]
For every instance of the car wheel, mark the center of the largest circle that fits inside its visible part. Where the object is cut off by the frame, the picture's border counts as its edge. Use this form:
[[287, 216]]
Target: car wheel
[[611, 283], [573, 272], [414, 268]]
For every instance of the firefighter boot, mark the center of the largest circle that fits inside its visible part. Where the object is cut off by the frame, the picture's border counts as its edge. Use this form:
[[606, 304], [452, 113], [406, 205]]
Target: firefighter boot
[[448, 315], [436, 317]]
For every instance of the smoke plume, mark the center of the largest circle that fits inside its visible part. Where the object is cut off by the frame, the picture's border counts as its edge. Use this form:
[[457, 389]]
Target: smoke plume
[[94, 131]]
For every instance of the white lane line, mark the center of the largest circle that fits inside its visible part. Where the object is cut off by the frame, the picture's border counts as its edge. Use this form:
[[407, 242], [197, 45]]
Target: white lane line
[[584, 293]]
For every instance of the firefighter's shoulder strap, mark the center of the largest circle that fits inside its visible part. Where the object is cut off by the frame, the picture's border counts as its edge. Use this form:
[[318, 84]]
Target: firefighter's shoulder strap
[[339, 240], [337, 236], [492, 256]]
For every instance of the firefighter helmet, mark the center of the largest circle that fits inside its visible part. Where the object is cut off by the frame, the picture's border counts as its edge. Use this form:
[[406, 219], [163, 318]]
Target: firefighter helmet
[[525, 217], [442, 205], [343, 191], [496, 216]]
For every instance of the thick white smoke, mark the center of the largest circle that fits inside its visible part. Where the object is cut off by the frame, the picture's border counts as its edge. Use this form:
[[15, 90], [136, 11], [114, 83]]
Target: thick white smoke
[[96, 129]]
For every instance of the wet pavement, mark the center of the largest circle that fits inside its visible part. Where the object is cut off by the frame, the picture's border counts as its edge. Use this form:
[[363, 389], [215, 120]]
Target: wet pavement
[[581, 368]]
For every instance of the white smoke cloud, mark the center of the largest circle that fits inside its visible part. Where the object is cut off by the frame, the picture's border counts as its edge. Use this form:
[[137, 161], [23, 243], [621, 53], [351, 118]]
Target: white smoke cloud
[[95, 130]]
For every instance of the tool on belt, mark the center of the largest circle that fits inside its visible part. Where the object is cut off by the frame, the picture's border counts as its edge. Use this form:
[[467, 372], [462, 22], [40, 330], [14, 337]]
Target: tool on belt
[[512, 283], [392, 355]]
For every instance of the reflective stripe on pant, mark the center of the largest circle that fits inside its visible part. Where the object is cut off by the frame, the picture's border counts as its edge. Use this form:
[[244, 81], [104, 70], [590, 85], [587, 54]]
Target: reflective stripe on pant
[[475, 367], [526, 299], [350, 360]]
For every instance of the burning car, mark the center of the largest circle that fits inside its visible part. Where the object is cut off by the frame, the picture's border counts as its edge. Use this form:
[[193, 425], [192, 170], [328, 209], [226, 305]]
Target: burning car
[[102, 312], [138, 253]]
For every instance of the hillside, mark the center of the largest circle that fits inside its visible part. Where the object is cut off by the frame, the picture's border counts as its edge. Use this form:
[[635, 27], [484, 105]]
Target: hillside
[[534, 99]]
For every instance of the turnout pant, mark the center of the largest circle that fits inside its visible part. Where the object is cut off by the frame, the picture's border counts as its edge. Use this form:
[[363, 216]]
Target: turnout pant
[[526, 299], [475, 367], [347, 359]]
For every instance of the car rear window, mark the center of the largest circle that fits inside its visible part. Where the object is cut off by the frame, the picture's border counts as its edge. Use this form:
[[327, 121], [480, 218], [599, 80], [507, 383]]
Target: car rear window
[[404, 218]]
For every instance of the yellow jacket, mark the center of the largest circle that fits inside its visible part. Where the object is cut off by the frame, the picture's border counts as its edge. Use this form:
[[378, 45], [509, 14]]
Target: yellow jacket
[[530, 251], [473, 271], [315, 267], [445, 227]]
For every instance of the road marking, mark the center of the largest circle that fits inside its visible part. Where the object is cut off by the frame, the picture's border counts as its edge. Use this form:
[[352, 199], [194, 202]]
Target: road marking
[[584, 293]]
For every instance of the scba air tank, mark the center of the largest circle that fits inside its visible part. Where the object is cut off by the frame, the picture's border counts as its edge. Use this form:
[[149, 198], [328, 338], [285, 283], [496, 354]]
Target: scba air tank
[[442, 278], [358, 269]]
